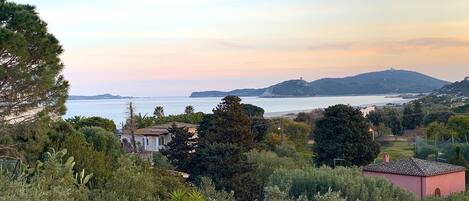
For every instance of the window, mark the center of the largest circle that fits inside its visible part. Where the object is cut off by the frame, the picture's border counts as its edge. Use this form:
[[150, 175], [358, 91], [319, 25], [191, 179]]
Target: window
[[438, 192], [147, 141], [161, 140]]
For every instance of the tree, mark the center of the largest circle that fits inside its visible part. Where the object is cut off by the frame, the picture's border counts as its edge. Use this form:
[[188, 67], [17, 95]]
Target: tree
[[189, 109], [30, 66], [441, 117], [102, 140], [228, 124], [180, 149], [343, 134], [413, 115], [393, 121], [80, 122], [438, 131], [252, 110], [296, 132], [159, 111], [376, 117], [226, 165], [459, 124]]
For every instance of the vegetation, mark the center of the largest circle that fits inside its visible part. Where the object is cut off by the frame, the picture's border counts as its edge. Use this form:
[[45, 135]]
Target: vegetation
[[180, 149], [80, 122], [343, 134], [307, 182]]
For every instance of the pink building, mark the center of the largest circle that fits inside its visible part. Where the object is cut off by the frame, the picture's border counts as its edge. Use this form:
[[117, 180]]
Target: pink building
[[422, 177]]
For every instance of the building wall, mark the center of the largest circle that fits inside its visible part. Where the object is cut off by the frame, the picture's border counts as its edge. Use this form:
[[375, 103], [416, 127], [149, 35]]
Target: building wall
[[411, 183], [447, 183], [153, 141]]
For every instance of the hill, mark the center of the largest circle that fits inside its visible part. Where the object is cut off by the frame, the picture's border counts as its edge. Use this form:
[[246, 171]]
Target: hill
[[460, 88], [98, 97], [381, 82]]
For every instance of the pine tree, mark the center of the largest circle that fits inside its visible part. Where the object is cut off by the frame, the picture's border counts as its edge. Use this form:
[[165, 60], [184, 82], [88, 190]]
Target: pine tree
[[229, 124], [180, 149], [343, 134]]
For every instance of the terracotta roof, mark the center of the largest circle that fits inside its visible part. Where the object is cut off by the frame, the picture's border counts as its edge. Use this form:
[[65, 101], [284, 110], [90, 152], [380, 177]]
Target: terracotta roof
[[178, 124], [413, 167]]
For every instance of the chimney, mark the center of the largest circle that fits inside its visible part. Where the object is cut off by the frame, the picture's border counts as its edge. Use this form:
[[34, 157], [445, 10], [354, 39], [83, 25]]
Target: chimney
[[386, 157]]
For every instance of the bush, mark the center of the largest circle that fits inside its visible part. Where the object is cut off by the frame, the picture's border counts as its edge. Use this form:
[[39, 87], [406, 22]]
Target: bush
[[349, 181]]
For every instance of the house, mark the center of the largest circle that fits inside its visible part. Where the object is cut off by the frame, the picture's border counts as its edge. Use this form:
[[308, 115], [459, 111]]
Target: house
[[154, 138], [366, 110], [422, 177]]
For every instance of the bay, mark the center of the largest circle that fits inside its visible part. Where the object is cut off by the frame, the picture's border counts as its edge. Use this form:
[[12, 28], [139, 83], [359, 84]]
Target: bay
[[116, 109]]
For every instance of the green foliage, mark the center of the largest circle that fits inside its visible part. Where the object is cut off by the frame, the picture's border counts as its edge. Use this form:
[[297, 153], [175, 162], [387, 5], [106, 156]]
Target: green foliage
[[265, 163], [64, 136], [102, 140], [349, 181], [208, 191], [228, 124], [459, 124], [30, 67], [329, 196], [394, 121], [226, 165], [160, 161], [296, 132], [193, 118], [413, 115], [252, 110], [189, 109], [440, 117], [461, 109], [52, 180], [439, 131], [180, 149], [343, 133], [136, 180], [181, 195], [80, 122]]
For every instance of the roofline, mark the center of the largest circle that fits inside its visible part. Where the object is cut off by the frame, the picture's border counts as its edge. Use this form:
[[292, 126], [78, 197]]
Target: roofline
[[448, 172]]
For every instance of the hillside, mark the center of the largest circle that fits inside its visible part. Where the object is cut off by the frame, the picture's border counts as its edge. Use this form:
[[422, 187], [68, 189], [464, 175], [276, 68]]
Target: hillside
[[460, 88], [381, 82]]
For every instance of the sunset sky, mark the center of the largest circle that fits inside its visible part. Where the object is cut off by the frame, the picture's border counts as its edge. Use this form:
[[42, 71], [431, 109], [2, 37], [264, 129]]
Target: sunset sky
[[173, 47]]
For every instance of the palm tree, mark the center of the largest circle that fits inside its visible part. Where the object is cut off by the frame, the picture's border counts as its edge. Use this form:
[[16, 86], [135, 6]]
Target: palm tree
[[189, 109], [159, 111]]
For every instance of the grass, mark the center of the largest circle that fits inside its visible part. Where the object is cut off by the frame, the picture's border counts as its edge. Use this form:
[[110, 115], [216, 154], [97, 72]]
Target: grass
[[396, 150]]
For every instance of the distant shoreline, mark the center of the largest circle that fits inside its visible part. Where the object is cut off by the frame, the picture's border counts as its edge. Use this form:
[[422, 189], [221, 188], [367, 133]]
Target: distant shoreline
[[292, 113]]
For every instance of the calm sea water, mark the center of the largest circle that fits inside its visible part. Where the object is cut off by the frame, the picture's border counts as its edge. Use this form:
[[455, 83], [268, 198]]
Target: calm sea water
[[115, 109]]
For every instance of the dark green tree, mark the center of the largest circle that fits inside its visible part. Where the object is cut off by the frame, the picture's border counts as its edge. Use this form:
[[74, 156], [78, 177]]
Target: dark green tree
[[413, 115], [440, 117], [252, 110], [343, 134], [180, 149], [228, 124], [376, 117], [189, 109], [393, 121], [30, 67], [102, 140], [226, 165], [80, 122]]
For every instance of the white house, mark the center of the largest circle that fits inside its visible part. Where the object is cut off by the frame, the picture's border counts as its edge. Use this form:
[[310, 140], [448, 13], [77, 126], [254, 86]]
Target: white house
[[154, 138]]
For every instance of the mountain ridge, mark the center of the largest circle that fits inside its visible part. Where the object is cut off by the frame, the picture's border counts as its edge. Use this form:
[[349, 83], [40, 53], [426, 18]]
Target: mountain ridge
[[380, 82]]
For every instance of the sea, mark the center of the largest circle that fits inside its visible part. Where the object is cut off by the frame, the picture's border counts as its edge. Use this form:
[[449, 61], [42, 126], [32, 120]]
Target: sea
[[116, 109]]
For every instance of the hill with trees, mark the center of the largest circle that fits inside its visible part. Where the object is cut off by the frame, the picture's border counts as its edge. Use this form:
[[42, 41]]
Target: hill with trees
[[381, 82]]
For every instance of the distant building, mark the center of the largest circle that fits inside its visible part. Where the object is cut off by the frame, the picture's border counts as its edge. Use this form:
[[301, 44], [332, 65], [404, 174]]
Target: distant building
[[422, 177], [154, 138], [366, 110]]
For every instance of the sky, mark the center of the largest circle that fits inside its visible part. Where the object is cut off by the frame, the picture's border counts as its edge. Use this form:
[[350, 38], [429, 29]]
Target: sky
[[174, 47]]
